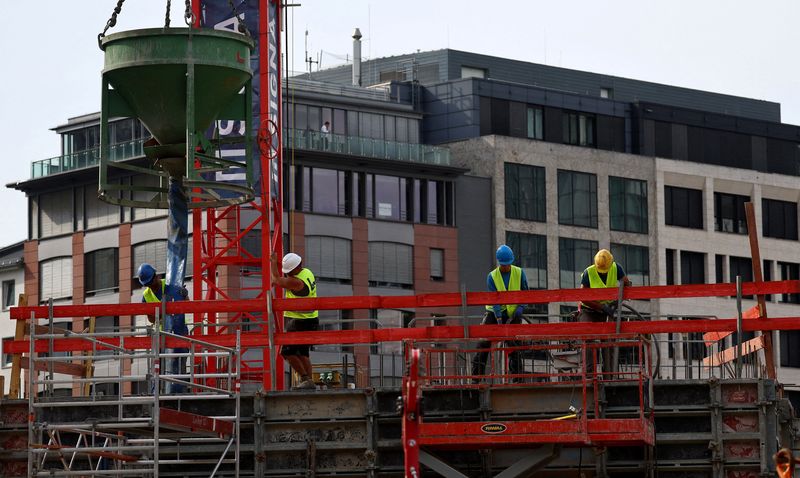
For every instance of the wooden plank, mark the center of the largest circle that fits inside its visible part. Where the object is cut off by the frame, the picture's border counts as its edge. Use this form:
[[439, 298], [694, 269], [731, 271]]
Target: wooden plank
[[710, 338], [729, 354], [58, 367], [755, 254], [19, 334]]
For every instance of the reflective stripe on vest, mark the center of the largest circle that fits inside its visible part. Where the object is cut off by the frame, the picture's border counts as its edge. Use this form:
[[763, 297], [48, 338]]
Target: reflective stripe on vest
[[514, 284], [308, 279], [150, 297], [595, 282]]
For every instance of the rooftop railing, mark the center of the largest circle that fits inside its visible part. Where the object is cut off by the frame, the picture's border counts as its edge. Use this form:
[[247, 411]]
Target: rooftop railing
[[300, 139], [366, 147]]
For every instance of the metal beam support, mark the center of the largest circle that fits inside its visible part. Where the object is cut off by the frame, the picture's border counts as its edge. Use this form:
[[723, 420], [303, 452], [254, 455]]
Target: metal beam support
[[531, 463], [438, 466], [755, 254]]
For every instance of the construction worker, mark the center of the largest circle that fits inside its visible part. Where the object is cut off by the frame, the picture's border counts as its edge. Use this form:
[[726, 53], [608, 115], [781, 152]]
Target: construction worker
[[155, 290], [603, 273], [298, 283], [505, 277]]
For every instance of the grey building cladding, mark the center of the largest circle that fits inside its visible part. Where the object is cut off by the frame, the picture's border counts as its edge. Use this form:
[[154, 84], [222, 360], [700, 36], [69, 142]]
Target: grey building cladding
[[432, 67]]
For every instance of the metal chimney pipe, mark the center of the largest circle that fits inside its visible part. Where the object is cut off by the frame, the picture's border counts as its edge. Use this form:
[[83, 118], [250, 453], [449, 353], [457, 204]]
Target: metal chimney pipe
[[357, 57]]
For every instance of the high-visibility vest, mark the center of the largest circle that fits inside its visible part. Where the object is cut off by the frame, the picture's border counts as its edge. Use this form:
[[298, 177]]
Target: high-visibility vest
[[595, 282], [151, 297], [514, 284], [308, 279]]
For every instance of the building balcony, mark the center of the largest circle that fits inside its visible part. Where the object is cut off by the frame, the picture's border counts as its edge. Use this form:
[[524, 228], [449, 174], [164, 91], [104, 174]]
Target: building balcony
[[85, 159], [300, 139], [366, 147]]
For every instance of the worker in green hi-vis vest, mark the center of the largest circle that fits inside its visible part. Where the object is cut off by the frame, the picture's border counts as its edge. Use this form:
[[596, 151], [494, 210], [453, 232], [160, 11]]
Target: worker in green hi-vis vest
[[298, 283], [603, 273]]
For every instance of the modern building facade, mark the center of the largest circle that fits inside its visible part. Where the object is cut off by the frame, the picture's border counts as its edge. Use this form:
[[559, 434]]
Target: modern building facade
[[369, 208], [12, 280], [441, 156]]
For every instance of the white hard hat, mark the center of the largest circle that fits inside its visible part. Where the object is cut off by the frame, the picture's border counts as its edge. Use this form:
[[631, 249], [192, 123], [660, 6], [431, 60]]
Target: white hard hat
[[290, 261]]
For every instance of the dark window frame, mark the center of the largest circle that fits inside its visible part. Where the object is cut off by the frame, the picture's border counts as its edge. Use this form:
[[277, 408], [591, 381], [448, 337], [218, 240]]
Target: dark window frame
[[633, 205], [729, 213], [690, 216], [567, 198], [525, 191]]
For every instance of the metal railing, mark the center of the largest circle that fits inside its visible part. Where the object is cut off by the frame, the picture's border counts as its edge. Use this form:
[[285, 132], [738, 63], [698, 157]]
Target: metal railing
[[85, 159], [366, 147]]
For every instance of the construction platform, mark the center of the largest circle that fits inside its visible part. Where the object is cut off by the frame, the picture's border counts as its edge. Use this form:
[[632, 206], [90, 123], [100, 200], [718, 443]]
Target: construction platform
[[702, 428]]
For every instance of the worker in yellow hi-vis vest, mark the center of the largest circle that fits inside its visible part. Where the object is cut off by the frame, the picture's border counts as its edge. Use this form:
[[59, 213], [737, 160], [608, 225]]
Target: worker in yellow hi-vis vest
[[505, 277], [298, 283], [603, 273]]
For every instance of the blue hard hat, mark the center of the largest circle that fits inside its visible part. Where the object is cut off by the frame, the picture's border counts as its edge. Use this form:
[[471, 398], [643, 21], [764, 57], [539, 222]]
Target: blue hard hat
[[505, 256], [146, 273]]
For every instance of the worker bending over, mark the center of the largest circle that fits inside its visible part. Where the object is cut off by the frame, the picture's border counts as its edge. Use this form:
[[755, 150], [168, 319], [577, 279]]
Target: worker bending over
[[603, 273], [505, 277], [299, 283]]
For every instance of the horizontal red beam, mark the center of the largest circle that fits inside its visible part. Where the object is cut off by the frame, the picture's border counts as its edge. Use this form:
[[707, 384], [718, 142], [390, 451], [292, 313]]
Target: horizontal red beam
[[416, 301], [568, 432], [572, 330], [191, 422]]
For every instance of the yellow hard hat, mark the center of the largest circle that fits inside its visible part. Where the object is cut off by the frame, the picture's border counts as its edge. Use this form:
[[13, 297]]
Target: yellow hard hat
[[603, 260]]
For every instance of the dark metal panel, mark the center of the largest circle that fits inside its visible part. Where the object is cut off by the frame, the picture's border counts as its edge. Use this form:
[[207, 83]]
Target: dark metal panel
[[475, 232]]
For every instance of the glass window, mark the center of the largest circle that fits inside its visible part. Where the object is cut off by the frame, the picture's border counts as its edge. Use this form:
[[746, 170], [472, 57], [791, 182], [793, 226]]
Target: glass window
[[670, 266], [437, 264], [352, 124], [741, 266], [9, 292], [153, 253], [7, 358], [413, 131], [329, 258], [578, 129], [693, 267], [530, 253], [684, 207], [387, 197], [472, 72], [301, 117], [635, 260], [525, 192], [305, 189], [314, 118], [789, 271], [368, 192], [577, 198], [389, 127], [779, 219], [434, 201], [535, 123], [122, 131], [719, 268], [339, 122], [729, 213], [55, 213], [55, 278], [390, 264], [101, 269], [327, 115], [325, 191], [99, 213], [417, 200], [628, 204], [790, 348], [574, 256], [402, 130]]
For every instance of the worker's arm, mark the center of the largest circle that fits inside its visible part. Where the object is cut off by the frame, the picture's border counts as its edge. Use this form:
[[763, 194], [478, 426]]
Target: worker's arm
[[498, 311], [291, 283]]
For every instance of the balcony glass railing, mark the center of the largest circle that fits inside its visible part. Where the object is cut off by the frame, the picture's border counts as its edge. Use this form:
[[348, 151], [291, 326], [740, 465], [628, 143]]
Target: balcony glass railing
[[300, 139], [85, 159], [366, 147]]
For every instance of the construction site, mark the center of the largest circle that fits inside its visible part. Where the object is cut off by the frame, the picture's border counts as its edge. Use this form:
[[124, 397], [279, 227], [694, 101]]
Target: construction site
[[663, 386]]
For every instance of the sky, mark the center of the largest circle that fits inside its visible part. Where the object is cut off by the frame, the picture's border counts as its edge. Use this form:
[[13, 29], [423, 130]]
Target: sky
[[52, 64]]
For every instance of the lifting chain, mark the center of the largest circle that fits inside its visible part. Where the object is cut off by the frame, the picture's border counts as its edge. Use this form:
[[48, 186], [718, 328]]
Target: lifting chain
[[166, 16], [241, 25], [188, 15], [110, 23]]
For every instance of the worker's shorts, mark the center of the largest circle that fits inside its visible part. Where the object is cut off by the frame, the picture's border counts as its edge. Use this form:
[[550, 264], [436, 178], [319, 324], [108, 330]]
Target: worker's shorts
[[299, 325]]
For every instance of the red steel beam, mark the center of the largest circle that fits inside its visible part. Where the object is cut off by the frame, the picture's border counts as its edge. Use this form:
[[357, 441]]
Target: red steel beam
[[571, 330], [417, 301]]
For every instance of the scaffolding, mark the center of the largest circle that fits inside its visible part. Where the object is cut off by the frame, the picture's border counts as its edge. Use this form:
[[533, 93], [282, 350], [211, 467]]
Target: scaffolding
[[127, 432]]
